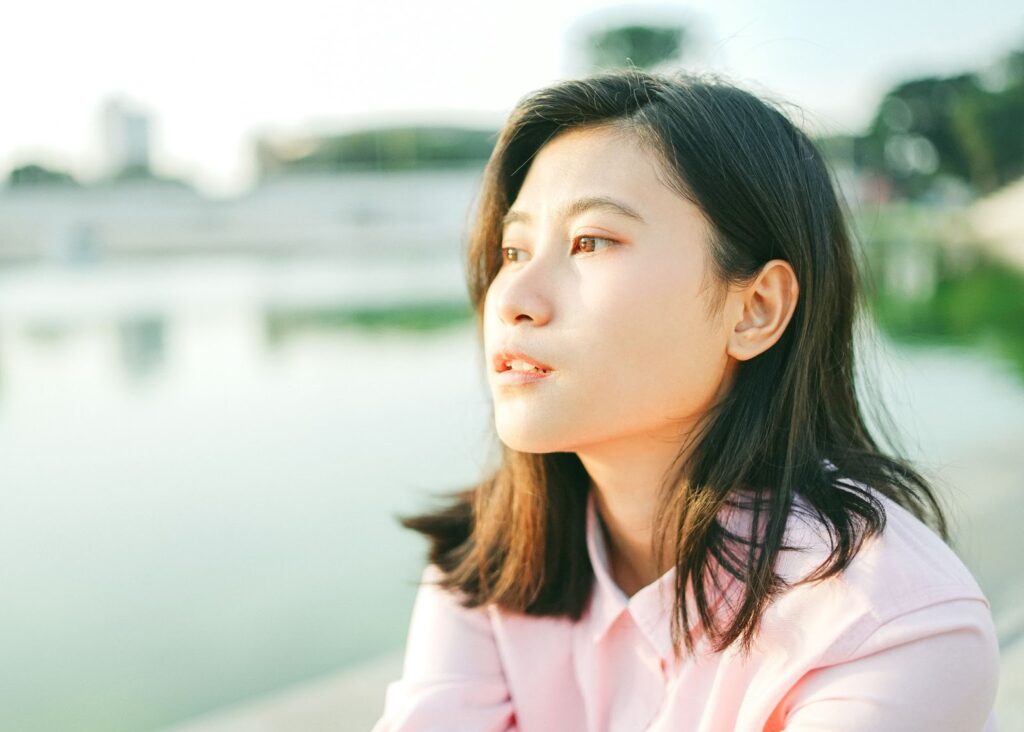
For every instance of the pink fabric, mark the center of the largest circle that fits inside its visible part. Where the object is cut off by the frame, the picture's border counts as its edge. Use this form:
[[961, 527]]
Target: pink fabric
[[904, 640]]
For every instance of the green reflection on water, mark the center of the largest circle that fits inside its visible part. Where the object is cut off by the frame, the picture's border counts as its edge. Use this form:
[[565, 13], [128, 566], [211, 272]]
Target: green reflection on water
[[432, 316]]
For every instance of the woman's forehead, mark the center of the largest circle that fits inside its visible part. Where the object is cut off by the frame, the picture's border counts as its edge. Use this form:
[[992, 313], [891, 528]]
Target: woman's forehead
[[597, 168]]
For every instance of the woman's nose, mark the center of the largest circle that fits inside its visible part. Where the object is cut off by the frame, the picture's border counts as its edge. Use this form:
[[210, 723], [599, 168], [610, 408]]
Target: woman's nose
[[525, 291]]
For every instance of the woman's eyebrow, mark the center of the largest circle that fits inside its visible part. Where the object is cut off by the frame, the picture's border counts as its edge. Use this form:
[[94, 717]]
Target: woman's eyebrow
[[575, 208]]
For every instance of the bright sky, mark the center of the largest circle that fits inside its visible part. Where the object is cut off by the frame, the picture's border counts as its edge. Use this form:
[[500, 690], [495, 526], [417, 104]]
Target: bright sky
[[214, 73]]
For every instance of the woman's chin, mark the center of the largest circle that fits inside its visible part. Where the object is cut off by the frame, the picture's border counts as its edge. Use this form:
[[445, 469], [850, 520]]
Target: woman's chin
[[531, 441]]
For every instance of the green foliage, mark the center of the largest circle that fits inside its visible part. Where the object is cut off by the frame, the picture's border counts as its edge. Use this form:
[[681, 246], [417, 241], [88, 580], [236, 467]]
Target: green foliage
[[642, 46], [959, 126], [977, 302], [398, 148], [38, 175]]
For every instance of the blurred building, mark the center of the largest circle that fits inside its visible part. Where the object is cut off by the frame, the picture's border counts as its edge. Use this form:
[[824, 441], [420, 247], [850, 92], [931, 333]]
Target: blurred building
[[126, 138], [398, 195], [358, 216], [998, 220]]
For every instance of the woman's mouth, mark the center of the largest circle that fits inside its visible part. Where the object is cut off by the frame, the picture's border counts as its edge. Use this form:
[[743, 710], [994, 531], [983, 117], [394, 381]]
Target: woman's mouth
[[520, 376]]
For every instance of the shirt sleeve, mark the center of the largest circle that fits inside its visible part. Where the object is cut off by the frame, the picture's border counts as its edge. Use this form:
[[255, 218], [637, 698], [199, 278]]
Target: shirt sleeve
[[452, 677], [936, 667]]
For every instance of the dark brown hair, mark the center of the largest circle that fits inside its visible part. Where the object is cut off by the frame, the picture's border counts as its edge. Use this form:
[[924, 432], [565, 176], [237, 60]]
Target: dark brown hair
[[791, 423]]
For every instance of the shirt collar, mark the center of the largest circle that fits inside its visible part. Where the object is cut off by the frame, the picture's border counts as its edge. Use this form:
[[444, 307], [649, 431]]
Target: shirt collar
[[650, 607]]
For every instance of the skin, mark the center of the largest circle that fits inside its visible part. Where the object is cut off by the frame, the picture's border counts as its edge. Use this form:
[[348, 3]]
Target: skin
[[621, 320]]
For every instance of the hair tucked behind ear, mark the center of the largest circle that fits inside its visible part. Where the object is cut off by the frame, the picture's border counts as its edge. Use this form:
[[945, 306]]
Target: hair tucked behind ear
[[792, 424]]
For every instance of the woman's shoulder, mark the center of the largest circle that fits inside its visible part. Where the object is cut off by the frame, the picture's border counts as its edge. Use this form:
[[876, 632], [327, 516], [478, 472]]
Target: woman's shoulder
[[902, 638], [906, 562], [906, 568], [909, 563]]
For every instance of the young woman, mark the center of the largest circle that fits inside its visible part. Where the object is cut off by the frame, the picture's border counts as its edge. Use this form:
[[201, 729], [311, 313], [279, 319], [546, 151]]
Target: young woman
[[691, 527]]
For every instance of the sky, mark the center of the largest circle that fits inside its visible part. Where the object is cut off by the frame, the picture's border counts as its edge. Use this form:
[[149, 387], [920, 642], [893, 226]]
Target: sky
[[214, 75]]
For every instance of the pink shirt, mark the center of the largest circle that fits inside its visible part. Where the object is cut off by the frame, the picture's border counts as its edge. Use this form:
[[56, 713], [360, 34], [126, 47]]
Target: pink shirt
[[903, 640]]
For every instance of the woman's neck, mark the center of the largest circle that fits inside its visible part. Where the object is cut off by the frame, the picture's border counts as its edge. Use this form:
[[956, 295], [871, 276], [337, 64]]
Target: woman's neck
[[626, 476], [627, 523]]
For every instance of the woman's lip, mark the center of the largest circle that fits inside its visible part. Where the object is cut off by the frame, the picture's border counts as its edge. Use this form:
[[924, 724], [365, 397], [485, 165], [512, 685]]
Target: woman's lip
[[502, 358], [511, 377]]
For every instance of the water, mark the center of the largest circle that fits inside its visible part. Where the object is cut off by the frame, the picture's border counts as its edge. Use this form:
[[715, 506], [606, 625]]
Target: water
[[195, 513]]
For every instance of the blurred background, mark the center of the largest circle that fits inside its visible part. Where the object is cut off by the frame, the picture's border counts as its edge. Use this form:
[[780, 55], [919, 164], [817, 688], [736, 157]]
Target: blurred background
[[235, 337]]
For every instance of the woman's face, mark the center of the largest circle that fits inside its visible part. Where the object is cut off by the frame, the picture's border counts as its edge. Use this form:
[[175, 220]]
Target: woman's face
[[600, 280]]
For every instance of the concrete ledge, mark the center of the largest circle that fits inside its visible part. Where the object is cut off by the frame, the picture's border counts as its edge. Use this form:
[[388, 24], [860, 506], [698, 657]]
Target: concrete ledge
[[349, 701]]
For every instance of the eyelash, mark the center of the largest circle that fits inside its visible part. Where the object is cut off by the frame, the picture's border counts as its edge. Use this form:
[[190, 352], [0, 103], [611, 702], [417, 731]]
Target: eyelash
[[574, 243]]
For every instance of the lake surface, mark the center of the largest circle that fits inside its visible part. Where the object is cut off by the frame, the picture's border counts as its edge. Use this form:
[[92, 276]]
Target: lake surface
[[196, 513]]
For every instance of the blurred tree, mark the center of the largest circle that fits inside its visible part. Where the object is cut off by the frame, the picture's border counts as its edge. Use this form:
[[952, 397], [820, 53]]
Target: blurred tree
[[134, 171], [644, 46], [992, 127], [395, 148], [1014, 65], [912, 136], [33, 174], [967, 126]]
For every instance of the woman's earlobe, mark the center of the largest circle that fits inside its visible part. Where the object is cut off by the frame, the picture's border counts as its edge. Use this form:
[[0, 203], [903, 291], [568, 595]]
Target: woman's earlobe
[[741, 347]]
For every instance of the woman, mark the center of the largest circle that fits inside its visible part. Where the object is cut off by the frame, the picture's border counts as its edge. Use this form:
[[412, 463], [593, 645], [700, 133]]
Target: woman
[[691, 527]]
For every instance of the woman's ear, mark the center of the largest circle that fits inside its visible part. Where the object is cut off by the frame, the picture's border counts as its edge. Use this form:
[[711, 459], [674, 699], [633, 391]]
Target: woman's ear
[[766, 306]]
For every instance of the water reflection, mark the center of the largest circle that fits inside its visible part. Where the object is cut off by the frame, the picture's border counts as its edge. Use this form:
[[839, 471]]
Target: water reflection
[[193, 319], [143, 345], [182, 477]]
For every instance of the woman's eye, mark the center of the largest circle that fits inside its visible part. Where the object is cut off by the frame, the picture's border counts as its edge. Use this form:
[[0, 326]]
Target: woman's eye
[[587, 243], [506, 250]]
